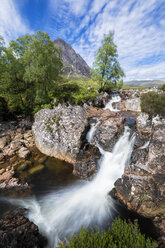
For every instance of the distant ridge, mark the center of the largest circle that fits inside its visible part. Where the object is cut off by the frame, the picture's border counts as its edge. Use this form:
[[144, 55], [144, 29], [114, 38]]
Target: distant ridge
[[147, 83], [74, 64]]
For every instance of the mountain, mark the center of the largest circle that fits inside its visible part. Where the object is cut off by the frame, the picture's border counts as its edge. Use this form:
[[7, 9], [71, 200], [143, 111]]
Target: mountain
[[74, 65], [145, 83]]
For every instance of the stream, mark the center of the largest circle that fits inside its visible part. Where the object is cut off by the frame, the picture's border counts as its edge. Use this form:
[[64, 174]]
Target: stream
[[61, 203]]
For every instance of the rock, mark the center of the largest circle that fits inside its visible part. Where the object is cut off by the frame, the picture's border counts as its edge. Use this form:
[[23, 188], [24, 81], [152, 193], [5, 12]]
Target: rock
[[8, 181], [23, 153], [144, 124], [86, 164], [5, 140], [59, 132], [101, 100], [36, 169], [109, 130], [142, 187], [16, 144], [2, 157], [16, 231], [133, 105]]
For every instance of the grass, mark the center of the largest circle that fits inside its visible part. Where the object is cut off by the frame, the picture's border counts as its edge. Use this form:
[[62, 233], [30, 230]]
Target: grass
[[128, 87]]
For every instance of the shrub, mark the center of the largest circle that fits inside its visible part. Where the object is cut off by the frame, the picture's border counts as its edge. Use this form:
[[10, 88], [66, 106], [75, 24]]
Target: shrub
[[153, 103], [163, 87], [120, 235]]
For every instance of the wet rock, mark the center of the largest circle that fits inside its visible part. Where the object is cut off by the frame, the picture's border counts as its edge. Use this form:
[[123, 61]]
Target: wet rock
[[87, 159], [101, 100], [23, 153], [142, 187], [36, 169], [16, 231], [5, 140], [58, 132]]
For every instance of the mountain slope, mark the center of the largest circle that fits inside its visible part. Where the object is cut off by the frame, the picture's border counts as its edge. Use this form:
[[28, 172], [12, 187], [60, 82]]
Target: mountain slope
[[74, 64]]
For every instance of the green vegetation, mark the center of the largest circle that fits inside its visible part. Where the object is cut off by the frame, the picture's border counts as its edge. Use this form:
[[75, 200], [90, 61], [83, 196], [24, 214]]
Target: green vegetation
[[163, 87], [120, 235], [29, 68], [107, 69], [153, 103], [128, 87], [76, 92]]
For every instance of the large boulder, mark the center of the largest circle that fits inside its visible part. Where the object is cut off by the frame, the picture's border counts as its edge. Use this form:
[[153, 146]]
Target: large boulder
[[59, 132], [142, 187], [109, 130]]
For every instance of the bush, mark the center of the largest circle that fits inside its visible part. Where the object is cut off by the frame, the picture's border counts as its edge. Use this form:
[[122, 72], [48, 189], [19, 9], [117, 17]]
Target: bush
[[153, 103], [120, 234], [163, 87], [75, 92]]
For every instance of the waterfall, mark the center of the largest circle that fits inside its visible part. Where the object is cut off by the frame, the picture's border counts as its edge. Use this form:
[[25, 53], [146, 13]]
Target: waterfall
[[92, 131], [115, 98], [61, 213]]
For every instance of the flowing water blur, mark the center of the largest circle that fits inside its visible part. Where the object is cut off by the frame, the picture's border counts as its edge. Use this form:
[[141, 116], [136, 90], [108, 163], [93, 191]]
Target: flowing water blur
[[63, 212], [115, 98]]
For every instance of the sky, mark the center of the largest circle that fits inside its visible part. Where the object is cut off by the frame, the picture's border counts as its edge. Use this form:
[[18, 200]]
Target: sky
[[139, 27]]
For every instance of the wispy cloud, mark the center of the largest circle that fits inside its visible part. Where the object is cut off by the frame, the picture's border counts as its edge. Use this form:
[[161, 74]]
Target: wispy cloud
[[139, 34], [11, 23]]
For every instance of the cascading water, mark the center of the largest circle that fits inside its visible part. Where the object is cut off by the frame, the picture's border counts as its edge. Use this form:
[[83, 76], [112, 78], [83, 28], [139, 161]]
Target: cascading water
[[115, 98], [92, 131], [61, 213]]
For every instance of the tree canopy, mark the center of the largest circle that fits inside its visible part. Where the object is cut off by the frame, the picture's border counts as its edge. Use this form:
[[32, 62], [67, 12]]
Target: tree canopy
[[107, 69], [29, 68]]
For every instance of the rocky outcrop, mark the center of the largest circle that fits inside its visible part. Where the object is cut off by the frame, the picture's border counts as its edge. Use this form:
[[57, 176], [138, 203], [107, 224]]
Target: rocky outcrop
[[86, 164], [142, 187], [16, 231], [109, 130], [58, 132], [74, 64]]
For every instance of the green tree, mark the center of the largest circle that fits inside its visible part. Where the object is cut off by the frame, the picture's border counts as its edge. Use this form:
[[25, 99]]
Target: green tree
[[107, 69], [31, 65]]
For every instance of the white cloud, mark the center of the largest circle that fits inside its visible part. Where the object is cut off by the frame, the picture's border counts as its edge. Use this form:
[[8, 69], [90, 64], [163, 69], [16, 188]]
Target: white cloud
[[147, 72], [11, 23], [139, 35], [78, 7]]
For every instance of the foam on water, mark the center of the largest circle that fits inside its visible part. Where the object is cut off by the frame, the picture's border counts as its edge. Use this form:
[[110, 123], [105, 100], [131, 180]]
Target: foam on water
[[114, 99]]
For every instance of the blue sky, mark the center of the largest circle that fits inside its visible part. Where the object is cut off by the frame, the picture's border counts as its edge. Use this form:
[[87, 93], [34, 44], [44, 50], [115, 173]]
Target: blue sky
[[139, 27]]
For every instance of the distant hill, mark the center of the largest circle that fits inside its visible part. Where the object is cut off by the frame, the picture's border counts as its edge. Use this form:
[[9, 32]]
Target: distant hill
[[74, 65], [145, 83]]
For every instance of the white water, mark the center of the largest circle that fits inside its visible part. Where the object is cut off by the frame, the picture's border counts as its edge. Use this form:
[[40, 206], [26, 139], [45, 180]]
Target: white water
[[92, 131], [114, 99], [61, 213], [146, 145]]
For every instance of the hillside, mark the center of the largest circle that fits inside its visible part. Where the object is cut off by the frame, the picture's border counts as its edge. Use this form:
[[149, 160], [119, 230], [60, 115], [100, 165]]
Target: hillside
[[74, 65]]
